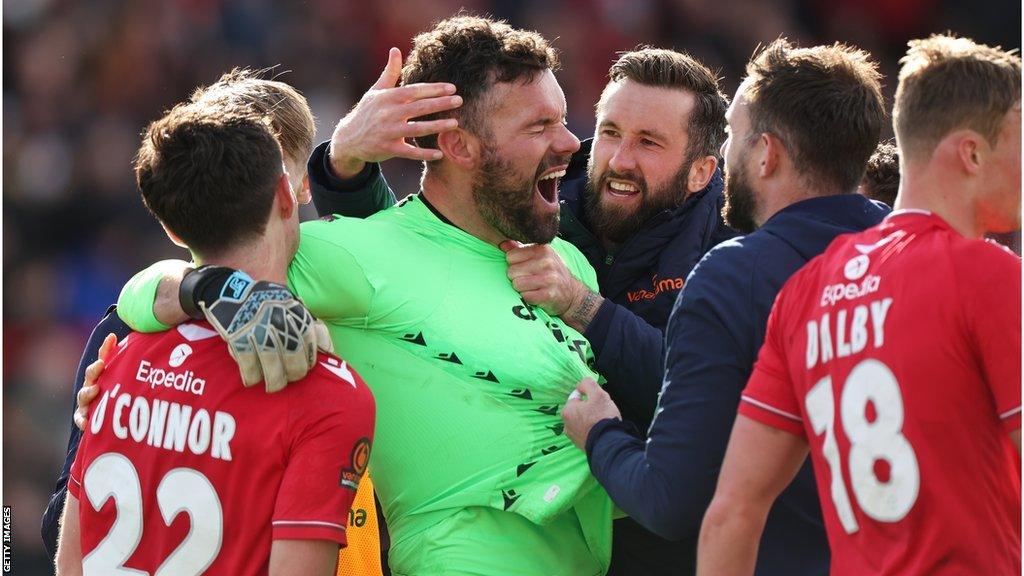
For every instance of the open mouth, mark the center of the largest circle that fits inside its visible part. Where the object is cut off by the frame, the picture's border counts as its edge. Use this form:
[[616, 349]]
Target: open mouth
[[622, 189], [547, 185]]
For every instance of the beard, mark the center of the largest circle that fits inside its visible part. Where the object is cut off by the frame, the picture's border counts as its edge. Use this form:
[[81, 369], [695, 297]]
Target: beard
[[616, 223], [506, 200], [740, 201]]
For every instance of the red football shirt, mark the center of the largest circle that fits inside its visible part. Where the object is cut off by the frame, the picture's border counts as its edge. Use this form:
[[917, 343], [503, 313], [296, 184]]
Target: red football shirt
[[897, 355], [182, 470]]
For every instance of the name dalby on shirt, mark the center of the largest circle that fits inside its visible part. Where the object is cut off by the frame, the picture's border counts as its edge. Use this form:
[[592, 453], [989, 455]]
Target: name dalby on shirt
[[844, 332]]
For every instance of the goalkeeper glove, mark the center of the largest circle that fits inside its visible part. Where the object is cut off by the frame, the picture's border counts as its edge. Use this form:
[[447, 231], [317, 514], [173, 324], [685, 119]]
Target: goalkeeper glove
[[269, 333]]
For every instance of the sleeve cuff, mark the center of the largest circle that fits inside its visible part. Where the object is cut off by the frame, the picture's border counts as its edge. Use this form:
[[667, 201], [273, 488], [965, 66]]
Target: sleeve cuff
[[309, 530], [771, 416], [607, 424], [74, 486], [1011, 419], [321, 174], [597, 330]]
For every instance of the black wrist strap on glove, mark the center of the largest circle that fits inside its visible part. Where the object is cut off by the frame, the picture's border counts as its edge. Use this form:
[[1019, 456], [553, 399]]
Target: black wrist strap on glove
[[207, 284]]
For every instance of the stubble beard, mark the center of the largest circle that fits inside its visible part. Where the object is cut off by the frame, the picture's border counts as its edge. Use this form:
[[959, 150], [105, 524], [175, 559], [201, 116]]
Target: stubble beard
[[740, 201], [506, 202]]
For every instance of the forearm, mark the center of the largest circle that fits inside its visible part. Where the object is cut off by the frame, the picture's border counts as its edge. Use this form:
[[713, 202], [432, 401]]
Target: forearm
[[344, 166], [303, 558], [69, 549], [628, 353], [667, 483], [729, 539], [360, 195], [665, 495], [167, 307], [149, 301], [581, 313]]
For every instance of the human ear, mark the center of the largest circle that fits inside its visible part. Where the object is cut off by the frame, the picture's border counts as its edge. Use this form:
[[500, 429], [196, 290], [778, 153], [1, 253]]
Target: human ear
[[459, 147], [700, 173]]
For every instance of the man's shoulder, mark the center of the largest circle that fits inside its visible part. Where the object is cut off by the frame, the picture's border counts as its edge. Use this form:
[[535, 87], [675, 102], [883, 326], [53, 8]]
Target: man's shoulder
[[343, 230], [333, 373], [981, 253], [737, 253], [730, 270]]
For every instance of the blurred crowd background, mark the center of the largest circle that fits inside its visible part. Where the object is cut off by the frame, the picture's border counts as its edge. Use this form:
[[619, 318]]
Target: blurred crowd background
[[81, 80]]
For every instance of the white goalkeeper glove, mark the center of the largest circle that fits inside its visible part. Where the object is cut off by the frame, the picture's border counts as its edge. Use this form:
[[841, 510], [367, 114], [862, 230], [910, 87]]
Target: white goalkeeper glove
[[269, 333]]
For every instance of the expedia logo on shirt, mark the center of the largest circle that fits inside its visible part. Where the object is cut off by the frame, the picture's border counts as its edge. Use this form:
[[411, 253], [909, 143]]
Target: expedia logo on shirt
[[186, 381]]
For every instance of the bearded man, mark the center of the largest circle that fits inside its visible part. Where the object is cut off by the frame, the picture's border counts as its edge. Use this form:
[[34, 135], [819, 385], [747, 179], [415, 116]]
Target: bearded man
[[471, 465], [641, 201]]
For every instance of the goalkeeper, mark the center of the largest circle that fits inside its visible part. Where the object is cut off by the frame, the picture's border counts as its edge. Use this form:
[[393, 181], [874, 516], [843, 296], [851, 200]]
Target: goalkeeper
[[471, 464]]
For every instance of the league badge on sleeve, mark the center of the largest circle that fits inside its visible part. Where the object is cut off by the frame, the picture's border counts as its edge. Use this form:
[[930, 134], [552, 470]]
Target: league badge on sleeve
[[360, 457]]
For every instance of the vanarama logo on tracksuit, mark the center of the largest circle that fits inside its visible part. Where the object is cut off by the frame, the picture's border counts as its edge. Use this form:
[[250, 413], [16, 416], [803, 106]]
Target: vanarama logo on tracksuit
[[657, 287]]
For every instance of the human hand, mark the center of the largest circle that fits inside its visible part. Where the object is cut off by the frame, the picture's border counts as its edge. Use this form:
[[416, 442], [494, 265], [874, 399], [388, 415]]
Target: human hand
[[270, 334], [90, 389], [541, 277], [587, 405], [379, 125]]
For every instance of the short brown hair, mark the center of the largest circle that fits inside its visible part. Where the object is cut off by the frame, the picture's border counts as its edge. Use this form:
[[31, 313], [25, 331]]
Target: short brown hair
[[882, 177], [285, 107], [209, 174], [948, 83], [825, 104], [670, 69], [475, 53]]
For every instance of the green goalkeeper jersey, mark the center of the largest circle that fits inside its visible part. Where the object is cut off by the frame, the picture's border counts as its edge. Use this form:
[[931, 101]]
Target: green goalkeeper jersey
[[470, 462]]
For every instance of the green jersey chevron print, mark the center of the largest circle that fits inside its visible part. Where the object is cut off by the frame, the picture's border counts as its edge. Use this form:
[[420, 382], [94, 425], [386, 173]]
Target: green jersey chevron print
[[471, 463]]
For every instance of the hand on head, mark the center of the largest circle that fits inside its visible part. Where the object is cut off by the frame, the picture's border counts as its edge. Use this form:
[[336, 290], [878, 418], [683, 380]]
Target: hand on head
[[383, 121]]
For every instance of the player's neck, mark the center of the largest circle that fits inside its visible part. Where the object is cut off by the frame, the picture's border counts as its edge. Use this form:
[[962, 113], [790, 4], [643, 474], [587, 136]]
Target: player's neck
[[454, 199], [261, 259], [782, 193], [940, 194]]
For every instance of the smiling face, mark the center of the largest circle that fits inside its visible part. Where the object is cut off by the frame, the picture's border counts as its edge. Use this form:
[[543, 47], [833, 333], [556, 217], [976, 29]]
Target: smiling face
[[525, 150], [638, 165]]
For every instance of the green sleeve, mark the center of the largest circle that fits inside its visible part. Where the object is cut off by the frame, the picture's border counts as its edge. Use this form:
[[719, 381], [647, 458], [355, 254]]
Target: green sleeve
[[327, 278], [135, 304]]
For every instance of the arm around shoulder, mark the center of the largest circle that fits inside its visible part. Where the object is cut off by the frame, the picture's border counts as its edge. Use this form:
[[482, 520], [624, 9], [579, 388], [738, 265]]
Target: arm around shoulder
[[149, 301]]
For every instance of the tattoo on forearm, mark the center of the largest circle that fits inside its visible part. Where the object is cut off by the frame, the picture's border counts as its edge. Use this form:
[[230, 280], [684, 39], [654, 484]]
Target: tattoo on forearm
[[580, 317]]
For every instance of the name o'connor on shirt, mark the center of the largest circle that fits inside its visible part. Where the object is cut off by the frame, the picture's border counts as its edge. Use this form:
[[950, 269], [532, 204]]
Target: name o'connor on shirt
[[163, 424], [843, 332]]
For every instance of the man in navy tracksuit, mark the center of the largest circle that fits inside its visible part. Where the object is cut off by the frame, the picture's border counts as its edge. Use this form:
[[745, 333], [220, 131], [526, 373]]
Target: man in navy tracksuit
[[642, 201], [802, 127]]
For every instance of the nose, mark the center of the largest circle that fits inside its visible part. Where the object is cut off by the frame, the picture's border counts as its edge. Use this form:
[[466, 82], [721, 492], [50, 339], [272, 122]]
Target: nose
[[566, 143], [623, 160], [724, 147]]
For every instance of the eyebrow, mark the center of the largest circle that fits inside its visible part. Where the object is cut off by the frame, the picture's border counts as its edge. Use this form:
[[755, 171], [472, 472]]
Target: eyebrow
[[647, 133], [547, 121]]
